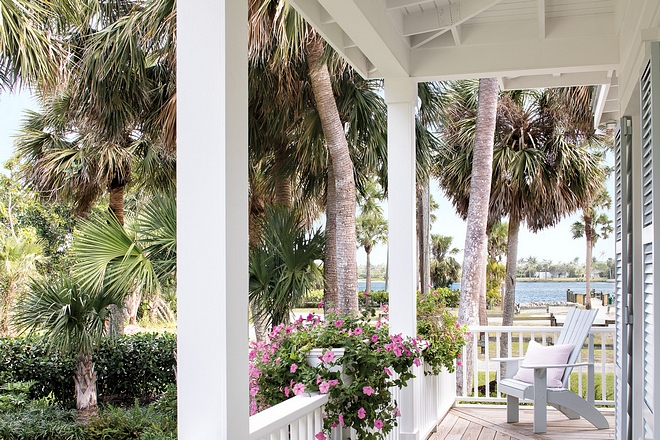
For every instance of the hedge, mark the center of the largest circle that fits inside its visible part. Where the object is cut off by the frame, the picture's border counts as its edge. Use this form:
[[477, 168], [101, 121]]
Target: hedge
[[128, 367]]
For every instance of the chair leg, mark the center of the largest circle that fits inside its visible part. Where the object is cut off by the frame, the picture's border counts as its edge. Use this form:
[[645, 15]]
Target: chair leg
[[575, 403], [512, 409], [572, 415], [540, 401]]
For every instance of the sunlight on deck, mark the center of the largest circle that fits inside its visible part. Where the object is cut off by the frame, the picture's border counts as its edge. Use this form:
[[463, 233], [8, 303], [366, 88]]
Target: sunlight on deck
[[487, 422]]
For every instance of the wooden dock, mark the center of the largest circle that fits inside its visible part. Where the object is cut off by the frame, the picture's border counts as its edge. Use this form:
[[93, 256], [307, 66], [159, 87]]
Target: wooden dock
[[488, 422]]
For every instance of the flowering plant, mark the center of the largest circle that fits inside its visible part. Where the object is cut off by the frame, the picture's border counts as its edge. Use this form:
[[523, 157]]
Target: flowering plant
[[360, 397], [445, 337]]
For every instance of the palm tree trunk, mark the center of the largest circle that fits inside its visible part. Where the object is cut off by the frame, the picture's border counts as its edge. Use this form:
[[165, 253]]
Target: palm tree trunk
[[282, 183], [116, 205], [588, 233], [330, 293], [473, 282], [344, 182], [367, 286], [509, 299], [423, 237], [85, 382]]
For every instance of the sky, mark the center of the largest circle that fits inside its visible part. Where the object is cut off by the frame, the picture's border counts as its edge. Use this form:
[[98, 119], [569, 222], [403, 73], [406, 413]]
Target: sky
[[555, 244]]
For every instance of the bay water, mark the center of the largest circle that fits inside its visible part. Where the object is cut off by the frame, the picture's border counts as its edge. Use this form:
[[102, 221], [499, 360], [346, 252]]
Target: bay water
[[541, 291]]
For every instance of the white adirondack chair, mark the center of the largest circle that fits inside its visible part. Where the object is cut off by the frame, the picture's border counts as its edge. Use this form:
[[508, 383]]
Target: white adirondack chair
[[575, 331]]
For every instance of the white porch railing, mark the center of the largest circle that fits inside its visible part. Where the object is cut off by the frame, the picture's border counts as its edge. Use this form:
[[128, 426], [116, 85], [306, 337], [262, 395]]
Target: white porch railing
[[300, 418], [486, 345]]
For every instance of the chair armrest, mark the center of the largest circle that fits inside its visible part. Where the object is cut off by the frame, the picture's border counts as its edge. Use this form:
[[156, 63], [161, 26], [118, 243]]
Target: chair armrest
[[581, 364], [512, 365], [518, 359]]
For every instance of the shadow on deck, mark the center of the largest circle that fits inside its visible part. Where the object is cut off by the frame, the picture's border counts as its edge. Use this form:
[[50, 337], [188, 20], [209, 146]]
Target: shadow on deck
[[488, 422]]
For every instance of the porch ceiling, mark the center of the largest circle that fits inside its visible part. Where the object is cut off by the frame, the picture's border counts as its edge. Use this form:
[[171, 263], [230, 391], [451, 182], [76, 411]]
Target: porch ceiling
[[524, 43]]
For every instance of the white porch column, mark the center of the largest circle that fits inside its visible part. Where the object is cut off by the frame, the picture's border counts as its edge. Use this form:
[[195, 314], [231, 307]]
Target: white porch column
[[401, 98], [212, 220]]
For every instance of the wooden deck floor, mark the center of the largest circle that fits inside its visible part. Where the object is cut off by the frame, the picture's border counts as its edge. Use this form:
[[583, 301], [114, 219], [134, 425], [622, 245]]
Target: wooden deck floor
[[481, 422]]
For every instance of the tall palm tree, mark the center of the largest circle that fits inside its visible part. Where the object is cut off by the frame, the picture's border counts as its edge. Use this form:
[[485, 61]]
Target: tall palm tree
[[371, 226], [297, 40], [473, 280], [594, 225], [72, 320], [117, 83], [541, 169]]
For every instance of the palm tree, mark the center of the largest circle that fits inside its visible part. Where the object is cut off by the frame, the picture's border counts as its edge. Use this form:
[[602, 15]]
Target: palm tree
[[283, 265], [114, 104], [271, 21], [135, 261], [541, 172], [445, 270], [594, 225], [72, 320], [478, 187], [371, 226], [28, 52]]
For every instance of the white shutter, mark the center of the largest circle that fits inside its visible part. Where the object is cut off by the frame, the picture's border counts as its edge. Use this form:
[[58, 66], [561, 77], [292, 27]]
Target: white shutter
[[623, 281], [650, 138]]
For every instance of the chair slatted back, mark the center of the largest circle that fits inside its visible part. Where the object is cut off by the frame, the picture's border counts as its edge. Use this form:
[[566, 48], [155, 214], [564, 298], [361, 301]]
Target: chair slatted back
[[575, 331]]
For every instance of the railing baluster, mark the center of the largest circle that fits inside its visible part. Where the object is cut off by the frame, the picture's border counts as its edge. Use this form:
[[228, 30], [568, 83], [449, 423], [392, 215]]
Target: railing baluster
[[475, 367]]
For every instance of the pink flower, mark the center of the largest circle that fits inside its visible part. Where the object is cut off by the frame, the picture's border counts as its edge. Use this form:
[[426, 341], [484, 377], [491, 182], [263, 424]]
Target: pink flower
[[293, 368], [459, 363], [333, 382], [388, 371], [328, 356], [339, 323], [286, 391], [374, 338], [321, 305], [368, 390], [417, 362], [320, 436], [378, 424], [361, 413], [396, 412], [458, 325], [310, 317], [319, 379], [324, 387], [357, 331], [299, 389], [341, 420], [397, 351], [277, 361]]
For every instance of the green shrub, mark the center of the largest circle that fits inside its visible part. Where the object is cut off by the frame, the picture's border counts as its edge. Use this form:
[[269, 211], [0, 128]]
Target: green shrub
[[132, 423], [135, 366], [128, 367], [37, 421], [311, 300], [376, 298], [27, 359], [450, 297]]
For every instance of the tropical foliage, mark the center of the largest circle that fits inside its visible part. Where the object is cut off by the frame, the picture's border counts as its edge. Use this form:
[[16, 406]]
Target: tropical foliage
[[73, 320], [283, 264]]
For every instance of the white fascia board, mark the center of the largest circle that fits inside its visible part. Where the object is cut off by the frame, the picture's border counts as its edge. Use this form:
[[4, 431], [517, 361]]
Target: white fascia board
[[445, 17], [514, 59], [367, 24], [399, 4], [332, 33], [552, 80]]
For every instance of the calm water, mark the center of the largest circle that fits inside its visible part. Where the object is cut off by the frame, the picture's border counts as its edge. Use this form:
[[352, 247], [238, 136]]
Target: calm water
[[531, 292]]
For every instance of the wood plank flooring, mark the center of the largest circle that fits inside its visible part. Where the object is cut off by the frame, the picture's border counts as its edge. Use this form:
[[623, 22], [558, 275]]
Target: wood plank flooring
[[488, 422]]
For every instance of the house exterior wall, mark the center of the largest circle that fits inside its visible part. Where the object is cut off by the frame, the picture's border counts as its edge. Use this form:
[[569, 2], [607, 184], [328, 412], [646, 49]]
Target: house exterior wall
[[638, 26]]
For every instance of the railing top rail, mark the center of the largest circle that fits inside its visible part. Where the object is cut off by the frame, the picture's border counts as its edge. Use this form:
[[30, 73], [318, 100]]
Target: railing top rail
[[282, 414], [531, 328]]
